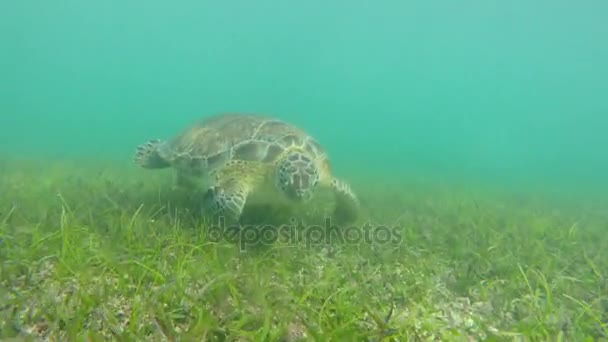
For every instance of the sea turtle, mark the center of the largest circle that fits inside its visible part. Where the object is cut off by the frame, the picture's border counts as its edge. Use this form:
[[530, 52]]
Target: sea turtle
[[239, 152]]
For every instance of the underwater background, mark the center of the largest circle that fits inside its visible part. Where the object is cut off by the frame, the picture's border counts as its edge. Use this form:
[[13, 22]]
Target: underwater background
[[510, 93], [475, 134]]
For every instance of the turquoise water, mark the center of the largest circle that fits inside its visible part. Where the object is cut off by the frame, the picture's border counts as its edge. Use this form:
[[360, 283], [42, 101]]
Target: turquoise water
[[507, 91], [466, 127]]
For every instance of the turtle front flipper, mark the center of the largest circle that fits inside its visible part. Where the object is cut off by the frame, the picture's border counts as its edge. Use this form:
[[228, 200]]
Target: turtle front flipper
[[227, 200], [147, 155], [347, 204], [227, 197]]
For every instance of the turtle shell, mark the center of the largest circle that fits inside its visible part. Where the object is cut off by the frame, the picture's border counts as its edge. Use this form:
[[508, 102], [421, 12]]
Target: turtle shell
[[210, 143]]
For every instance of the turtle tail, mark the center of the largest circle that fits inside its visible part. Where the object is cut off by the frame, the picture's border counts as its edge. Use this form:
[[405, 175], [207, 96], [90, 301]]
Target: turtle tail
[[147, 155]]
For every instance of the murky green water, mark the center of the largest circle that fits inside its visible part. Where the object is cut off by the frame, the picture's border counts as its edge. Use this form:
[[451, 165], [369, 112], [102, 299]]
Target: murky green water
[[503, 91], [428, 107]]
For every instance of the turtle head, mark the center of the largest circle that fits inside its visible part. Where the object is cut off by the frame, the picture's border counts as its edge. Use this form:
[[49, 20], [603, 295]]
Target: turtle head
[[297, 175]]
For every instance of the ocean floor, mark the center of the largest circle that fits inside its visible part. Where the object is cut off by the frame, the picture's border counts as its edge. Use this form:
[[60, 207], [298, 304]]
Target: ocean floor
[[98, 251]]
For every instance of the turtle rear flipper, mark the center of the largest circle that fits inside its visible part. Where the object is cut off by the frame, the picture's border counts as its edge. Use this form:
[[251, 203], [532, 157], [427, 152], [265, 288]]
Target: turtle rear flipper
[[147, 155]]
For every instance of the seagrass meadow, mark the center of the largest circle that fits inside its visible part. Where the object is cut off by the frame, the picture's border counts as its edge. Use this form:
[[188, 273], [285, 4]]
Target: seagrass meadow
[[473, 133], [104, 251]]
